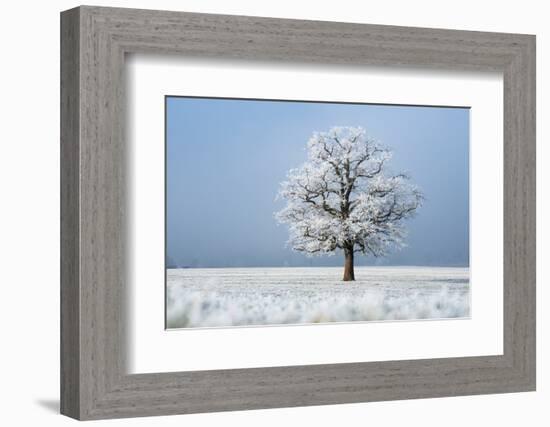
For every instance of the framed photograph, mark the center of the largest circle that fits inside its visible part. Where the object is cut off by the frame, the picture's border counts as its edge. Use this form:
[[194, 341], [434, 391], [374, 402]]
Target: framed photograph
[[343, 203], [262, 213]]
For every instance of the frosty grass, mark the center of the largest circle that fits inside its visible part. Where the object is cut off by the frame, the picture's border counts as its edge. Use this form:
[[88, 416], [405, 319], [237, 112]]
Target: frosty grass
[[269, 296]]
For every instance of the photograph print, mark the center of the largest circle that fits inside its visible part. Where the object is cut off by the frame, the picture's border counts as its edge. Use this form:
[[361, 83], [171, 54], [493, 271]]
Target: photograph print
[[284, 212]]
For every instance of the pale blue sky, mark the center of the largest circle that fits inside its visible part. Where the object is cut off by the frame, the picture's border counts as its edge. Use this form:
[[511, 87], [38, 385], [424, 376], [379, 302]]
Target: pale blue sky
[[226, 158]]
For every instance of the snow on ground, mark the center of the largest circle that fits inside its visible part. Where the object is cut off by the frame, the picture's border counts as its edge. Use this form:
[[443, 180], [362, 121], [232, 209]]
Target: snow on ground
[[214, 297]]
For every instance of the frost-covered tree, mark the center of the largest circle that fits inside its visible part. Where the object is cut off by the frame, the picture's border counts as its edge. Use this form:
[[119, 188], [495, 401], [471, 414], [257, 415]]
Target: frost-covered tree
[[344, 198]]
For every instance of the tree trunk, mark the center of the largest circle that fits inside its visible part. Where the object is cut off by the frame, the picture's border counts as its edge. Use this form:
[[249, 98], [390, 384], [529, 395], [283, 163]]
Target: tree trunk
[[349, 274]]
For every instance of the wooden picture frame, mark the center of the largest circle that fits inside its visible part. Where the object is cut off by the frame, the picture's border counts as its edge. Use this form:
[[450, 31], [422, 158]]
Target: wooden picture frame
[[94, 382]]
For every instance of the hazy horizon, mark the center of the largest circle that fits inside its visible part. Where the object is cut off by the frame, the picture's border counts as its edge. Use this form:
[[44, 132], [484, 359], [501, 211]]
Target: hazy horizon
[[338, 267]]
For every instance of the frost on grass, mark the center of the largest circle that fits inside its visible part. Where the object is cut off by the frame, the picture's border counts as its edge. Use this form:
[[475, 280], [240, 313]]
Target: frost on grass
[[272, 296]]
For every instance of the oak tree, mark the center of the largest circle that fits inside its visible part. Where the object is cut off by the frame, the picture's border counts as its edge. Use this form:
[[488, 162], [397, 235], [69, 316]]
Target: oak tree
[[344, 198]]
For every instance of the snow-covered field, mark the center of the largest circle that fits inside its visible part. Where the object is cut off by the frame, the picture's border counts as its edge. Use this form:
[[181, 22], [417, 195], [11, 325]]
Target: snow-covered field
[[268, 296]]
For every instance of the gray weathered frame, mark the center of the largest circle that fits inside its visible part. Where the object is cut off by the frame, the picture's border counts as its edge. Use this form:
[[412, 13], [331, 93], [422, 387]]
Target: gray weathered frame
[[94, 41]]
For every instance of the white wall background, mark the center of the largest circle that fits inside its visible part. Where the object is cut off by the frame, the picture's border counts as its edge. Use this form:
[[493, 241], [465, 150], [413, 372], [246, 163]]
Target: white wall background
[[29, 214]]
